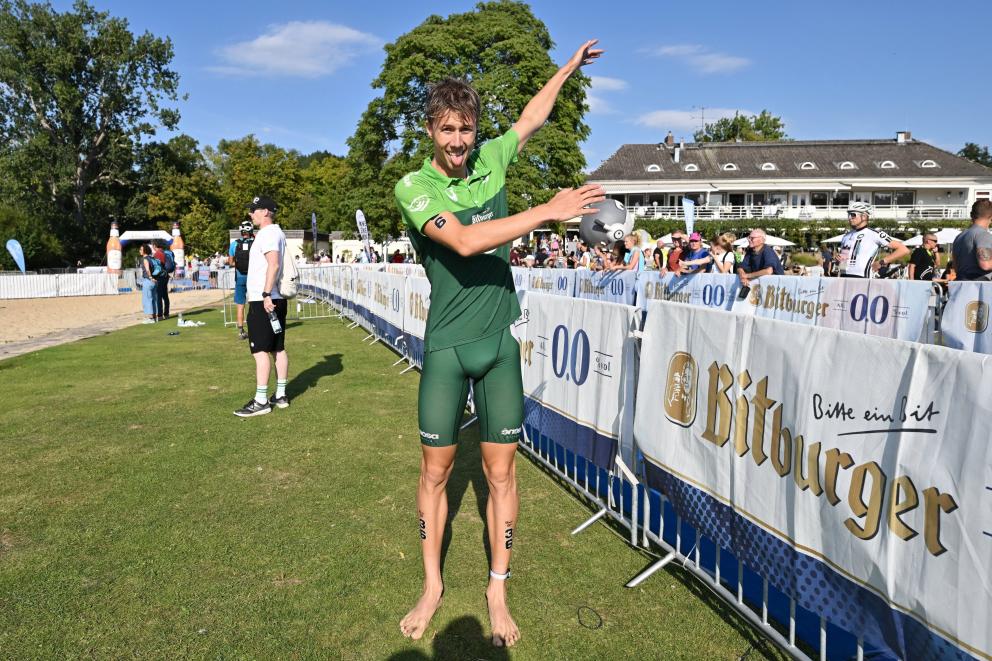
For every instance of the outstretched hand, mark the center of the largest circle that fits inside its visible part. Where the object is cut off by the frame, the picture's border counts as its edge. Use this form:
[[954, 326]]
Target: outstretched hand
[[585, 55], [571, 202]]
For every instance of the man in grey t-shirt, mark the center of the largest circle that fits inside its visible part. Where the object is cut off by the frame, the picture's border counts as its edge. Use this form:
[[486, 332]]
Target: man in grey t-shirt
[[972, 248]]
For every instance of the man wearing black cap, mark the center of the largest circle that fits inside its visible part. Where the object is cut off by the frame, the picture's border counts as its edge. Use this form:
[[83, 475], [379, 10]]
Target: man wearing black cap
[[264, 270]]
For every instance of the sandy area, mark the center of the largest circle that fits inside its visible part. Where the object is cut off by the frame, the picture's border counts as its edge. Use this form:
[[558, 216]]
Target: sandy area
[[34, 323]]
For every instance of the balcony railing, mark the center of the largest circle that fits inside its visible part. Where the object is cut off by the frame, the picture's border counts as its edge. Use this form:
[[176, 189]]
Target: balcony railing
[[737, 212]]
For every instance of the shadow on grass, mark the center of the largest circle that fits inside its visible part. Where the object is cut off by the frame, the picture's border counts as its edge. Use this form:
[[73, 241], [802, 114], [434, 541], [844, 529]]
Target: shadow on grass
[[308, 378], [467, 472], [462, 639], [757, 641]]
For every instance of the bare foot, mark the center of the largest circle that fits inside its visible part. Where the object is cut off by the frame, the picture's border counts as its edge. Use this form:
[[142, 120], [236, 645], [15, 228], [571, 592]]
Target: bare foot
[[416, 621], [505, 631]]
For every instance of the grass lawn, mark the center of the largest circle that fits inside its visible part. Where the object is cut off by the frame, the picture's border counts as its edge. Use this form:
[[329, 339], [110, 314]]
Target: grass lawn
[[140, 518]]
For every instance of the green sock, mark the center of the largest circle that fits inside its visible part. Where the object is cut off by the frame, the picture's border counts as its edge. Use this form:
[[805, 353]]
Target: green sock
[[261, 393], [281, 388]]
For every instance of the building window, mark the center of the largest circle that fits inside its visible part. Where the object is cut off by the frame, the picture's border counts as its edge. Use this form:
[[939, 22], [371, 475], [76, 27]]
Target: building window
[[904, 198], [768, 166], [654, 167], [841, 198], [691, 167], [808, 165], [929, 164], [818, 198], [847, 165], [882, 199], [730, 167], [887, 165]]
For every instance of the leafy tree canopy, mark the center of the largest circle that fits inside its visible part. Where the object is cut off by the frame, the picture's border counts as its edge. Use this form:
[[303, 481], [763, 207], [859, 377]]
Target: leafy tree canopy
[[502, 49], [754, 128], [973, 152]]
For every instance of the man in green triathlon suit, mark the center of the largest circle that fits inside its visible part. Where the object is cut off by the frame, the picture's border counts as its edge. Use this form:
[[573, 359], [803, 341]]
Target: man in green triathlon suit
[[455, 207]]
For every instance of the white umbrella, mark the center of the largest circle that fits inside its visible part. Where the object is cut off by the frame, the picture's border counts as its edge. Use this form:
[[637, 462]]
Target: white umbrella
[[833, 239], [769, 241], [944, 237]]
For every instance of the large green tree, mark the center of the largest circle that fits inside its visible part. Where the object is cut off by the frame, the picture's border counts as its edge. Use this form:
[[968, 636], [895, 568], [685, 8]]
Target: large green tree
[[502, 48], [973, 152], [747, 128], [78, 93]]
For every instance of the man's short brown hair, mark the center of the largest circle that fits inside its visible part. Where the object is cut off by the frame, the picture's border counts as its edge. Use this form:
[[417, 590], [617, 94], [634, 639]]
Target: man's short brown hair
[[981, 209], [452, 94]]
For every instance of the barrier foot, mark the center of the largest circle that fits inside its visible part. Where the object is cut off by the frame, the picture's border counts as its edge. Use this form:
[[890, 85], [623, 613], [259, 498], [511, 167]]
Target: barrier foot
[[640, 578], [353, 324], [470, 420], [402, 358], [591, 520], [366, 338], [408, 368]]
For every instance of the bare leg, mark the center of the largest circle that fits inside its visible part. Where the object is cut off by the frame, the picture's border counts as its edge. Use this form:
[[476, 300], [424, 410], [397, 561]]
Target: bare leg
[[501, 520], [432, 512], [282, 366], [262, 366], [241, 316]]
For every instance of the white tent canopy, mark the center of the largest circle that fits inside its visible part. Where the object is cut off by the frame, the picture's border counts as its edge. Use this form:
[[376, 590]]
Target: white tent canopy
[[833, 239], [769, 241], [944, 237], [146, 235]]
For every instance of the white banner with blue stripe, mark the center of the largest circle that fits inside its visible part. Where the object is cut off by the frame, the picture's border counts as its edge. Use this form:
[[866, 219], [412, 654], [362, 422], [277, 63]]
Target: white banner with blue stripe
[[852, 472], [965, 322], [417, 305], [608, 286], [560, 282], [896, 309], [712, 290], [578, 364]]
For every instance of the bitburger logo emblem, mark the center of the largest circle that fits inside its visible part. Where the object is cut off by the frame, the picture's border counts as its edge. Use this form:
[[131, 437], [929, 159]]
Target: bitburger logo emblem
[[680, 391], [976, 317]]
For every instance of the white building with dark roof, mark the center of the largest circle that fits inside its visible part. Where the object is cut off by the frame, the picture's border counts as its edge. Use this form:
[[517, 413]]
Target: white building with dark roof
[[903, 178]]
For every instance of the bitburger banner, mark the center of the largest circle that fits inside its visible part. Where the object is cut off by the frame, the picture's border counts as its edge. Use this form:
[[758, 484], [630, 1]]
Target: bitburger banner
[[609, 286], [418, 302], [965, 321], [363, 297], [560, 282], [886, 308], [388, 292], [521, 277], [852, 472], [712, 290], [578, 366]]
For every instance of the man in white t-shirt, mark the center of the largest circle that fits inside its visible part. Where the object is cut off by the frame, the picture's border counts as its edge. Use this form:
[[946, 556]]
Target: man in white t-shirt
[[265, 335]]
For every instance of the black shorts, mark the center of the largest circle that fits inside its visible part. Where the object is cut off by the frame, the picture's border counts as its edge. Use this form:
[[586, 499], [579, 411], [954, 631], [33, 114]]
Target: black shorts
[[260, 335]]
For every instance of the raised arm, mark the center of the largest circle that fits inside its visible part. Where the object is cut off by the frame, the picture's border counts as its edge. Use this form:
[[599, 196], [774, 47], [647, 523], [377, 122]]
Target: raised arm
[[538, 109], [468, 240], [899, 250]]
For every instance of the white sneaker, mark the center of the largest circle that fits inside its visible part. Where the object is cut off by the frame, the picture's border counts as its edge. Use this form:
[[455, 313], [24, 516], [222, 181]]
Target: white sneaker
[[148, 321]]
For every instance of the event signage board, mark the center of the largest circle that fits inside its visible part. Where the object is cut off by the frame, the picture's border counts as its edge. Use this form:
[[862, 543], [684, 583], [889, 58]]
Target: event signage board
[[712, 290], [388, 293], [965, 321], [608, 286], [560, 282], [849, 471], [363, 297], [896, 309], [521, 277], [418, 302], [577, 360]]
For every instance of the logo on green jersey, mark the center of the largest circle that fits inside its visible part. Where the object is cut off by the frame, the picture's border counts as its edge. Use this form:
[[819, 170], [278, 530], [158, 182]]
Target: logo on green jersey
[[418, 203]]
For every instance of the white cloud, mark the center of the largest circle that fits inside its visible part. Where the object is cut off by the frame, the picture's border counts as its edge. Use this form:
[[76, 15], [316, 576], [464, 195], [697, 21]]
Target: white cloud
[[703, 59], [685, 120], [602, 83], [597, 104], [305, 49]]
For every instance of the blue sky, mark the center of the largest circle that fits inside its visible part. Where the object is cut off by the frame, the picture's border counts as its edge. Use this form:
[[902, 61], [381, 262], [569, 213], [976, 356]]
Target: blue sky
[[298, 74]]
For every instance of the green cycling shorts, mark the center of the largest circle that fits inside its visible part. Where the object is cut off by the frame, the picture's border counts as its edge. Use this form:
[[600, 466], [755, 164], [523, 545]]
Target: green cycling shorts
[[493, 365]]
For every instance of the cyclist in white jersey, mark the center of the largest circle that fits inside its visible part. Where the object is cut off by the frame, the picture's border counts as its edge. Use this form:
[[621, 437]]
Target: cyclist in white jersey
[[859, 247]]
